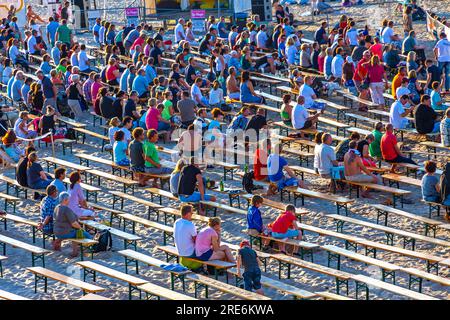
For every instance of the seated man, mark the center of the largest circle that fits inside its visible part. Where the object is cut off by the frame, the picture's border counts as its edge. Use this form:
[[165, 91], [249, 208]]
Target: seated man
[[185, 233], [399, 112], [190, 177], [426, 119], [353, 165], [284, 227], [275, 166], [300, 116], [390, 150], [152, 161]]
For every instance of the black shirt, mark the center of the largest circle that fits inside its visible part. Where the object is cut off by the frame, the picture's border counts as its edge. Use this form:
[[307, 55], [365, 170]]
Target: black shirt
[[189, 72], [74, 94], [361, 145], [435, 75], [158, 37], [424, 118], [21, 172], [155, 53], [188, 180], [257, 122], [106, 107], [130, 106], [203, 45], [175, 75], [117, 109]]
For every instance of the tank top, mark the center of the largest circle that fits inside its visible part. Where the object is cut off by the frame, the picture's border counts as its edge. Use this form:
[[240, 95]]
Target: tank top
[[48, 123]]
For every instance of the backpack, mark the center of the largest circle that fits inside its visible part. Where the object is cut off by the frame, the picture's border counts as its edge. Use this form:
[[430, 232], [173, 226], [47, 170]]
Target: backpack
[[247, 181], [70, 134], [104, 241]]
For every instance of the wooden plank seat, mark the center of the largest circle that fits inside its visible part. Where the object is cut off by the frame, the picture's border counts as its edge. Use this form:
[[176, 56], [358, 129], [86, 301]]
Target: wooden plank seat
[[340, 127], [127, 184], [348, 97], [397, 194], [357, 117], [121, 196], [302, 171], [228, 168], [297, 293], [363, 283], [128, 239], [331, 296], [95, 118], [171, 253], [221, 206], [341, 202], [380, 114], [81, 133], [64, 142], [433, 146], [262, 256], [383, 212], [71, 122], [306, 248], [55, 162], [92, 268], [341, 278], [134, 257], [396, 179], [334, 254], [14, 185], [45, 274], [303, 156], [129, 218], [201, 281], [284, 128], [10, 201], [154, 291], [5, 295], [93, 296], [265, 107], [417, 276], [275, 204], [232, 193], [160, 194], [37, 254], [408, 237], [435, 207], [362, 132]]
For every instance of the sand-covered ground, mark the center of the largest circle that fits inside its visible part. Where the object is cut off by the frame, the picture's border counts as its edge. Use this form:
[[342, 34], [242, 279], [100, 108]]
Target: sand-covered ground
[[18, 280]]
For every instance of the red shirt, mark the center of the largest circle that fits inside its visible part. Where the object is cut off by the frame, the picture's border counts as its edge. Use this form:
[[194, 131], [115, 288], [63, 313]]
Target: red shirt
[[375, 73], [260, 164], [388, 143], [377, 49], [110, 72], [283, 222], [361, 69], [321, 62]]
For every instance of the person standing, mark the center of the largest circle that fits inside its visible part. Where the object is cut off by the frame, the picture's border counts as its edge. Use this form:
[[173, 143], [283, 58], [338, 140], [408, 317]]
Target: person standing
[[248, 258], [442, 54]]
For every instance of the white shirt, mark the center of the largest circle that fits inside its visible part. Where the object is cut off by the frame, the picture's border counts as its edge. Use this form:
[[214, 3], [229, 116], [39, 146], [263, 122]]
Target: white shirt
[[127, 134], [443, 47], [307, 92], [13, 53], [352, 36], [74, 60], [395, 117], [196, 93], [215, 96], [83, 60], [261, 39], [324, 156], [184, 231], [179, 33], [299, 116], [336, 66], [31, 44], [387, 34]]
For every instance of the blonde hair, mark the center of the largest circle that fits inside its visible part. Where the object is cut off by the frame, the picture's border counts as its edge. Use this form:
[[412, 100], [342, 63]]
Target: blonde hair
[[412, 74], [214, 221], [180, 165], [411, 56], [114, 122]]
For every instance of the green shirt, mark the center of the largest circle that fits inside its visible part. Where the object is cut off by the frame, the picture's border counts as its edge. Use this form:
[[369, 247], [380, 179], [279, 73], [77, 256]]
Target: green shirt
[[166, 111], [151, 152], [374, 147], [64, 33]]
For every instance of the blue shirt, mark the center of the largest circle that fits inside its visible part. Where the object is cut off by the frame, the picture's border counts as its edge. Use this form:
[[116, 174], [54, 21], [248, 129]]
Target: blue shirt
[[60, 186], [51, 30], [25, 89], [435, 98], [123, 80], [96, 28], [47, 88], [48, 205], [119, 151], [45, 67], [9, 86], [150, 73], [429, 187], [275, 165], [140, 84], [16, 90], [130, 80], [56, 55], [254, 220]]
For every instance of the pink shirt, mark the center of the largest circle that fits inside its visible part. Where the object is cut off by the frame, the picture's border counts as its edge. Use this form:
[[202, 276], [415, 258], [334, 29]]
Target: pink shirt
[[321, 62], [151, 120], [375, 73], [94, 90], [138, 42], [76, 195], [203, 242]]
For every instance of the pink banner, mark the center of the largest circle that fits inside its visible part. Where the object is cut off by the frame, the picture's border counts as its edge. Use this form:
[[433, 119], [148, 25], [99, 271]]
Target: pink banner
[[198, 14], [132, 12]]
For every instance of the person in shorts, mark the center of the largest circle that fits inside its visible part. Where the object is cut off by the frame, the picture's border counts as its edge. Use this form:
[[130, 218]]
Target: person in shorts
[[284, 227], [248, 259]]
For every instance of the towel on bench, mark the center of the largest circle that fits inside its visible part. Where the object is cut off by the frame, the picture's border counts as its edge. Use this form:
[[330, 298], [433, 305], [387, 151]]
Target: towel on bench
[[176, 267]]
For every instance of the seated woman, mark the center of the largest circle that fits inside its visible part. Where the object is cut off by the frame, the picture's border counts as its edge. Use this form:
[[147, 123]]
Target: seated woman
[[11, 146], [363, 148], [431, 189], [207, 243], [414, 87], [175, 177], [284, 227], [77, 203], [66, 225], [286, 110], [248, 94], [120, 149], [36, 177], [47, 123], [21, 127]]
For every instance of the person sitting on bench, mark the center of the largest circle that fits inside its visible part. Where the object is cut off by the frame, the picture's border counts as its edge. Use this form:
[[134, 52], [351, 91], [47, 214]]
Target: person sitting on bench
[[185, 233], [284, 227], [36, 176], [275, 166], [353, 165], [430, 183], [390, 150], [207, 243], [48, 205], [66, 225], [77, 203], [191, 176]]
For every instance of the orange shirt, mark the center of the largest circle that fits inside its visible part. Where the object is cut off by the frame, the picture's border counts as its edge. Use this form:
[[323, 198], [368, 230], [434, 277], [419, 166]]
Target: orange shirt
[[396, 83]]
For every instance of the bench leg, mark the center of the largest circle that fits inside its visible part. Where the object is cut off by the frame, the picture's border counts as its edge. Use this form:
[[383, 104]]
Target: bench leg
[[429, 227], [372, 251], [36, 257], [410, 241], [387, 274], [389, 238], [38, 278], [415, 280], [432, 267], [337, 257], [1, 269], [340, 283], [382, 214], [340, 226], [351, 246], [281, 265], [361, 286]]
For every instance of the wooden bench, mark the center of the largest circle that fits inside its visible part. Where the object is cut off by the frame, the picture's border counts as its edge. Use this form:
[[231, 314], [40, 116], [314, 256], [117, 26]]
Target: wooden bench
[[161, 193], [93, 296], [332, 296], [341, 202], [201, 281], [80, 133], [408, 237], [71, 122], [417, 276], [171, 253], [302, 170], [45, 274], [37, 254], [167, 230], [383, 212], [92, 268], [128, 239], [433, 146], [363, 283], [127, 184], [362, 132], [352, 99], [275, 204], [13, 184], [302, 155], [297, 293], [135, 257], [342, 278], [5, 295], [153, 290], [55, 162], [121, 196], [224, 207], [10, 201], [397, 194], [396, 179], [335, 253], [340, 127], [357, 117], [65, 143]]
